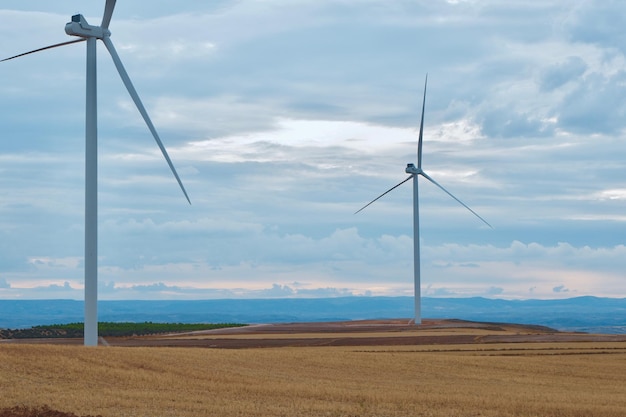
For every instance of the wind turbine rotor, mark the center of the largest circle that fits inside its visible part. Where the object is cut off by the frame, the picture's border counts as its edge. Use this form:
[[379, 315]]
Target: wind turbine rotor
[[414, 173], [79, 27]]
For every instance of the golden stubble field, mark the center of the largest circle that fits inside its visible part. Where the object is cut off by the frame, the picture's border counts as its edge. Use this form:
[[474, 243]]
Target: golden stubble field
[[548, 378]]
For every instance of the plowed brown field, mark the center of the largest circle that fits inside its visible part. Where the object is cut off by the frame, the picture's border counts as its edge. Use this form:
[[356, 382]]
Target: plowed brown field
[[349, 333]]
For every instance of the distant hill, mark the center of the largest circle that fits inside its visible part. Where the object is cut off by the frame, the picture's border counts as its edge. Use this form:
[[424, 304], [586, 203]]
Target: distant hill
[[588, 314]]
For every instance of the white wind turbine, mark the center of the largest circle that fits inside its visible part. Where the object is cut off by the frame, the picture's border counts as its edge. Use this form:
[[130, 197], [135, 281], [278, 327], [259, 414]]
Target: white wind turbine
[[88, 33], [415, 172]]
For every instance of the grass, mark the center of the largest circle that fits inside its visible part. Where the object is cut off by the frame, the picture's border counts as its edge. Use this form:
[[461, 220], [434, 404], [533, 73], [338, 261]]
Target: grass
[[548, 380]]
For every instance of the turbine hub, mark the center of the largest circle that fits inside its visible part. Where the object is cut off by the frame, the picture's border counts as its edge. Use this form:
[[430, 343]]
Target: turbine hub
[[79, 27]]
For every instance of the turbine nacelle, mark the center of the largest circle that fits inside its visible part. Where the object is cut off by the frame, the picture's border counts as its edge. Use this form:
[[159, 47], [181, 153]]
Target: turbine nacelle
[[79, 27], [412, 169]]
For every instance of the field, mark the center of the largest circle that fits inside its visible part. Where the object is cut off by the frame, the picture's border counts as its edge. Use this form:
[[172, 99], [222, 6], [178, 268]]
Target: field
[[337, 369]]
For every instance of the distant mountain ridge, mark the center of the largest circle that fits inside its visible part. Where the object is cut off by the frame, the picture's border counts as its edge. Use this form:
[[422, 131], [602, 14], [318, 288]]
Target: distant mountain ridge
[[587, 314]]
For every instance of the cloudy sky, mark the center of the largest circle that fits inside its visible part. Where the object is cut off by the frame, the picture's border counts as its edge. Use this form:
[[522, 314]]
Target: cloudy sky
[[285, 117]]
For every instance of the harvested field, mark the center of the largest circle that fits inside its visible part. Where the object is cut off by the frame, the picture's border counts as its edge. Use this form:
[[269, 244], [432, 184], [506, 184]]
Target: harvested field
[[444, 368]]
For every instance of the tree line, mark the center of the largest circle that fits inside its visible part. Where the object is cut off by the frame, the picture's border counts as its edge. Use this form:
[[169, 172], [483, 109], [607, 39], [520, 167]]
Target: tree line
[[109, 329]]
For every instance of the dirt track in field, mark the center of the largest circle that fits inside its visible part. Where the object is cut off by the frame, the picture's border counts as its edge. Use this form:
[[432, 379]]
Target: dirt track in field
[[352, 333]]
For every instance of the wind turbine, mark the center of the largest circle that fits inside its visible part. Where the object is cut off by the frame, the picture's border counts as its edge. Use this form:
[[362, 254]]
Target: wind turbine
[[415, 172], [90, 34]]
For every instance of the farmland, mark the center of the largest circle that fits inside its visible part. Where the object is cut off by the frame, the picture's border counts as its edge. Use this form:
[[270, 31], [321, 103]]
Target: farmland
[[486, 371]]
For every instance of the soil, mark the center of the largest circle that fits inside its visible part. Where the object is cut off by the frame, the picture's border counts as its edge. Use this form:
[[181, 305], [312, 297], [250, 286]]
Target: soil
[[44, 411]]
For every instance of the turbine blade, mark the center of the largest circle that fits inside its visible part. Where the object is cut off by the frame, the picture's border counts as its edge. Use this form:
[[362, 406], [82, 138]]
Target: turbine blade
[[388, 191], [450, 194], [141, 108], [44, 48], [419, 142], [108, 12]]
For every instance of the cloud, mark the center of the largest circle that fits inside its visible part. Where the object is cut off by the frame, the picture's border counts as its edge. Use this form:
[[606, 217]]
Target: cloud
[[495, 291], [284, 118], [55, 287], [560, 288], [561, 73], [607, 19], [504, 123], [160, 290], [378, 266]]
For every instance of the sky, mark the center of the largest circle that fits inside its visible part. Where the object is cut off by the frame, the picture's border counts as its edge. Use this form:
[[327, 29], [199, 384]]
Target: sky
[[283, 118]]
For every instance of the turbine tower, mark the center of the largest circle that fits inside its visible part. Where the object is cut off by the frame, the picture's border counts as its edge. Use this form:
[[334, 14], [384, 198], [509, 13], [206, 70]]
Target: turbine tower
[[90, 34], [415, 172]]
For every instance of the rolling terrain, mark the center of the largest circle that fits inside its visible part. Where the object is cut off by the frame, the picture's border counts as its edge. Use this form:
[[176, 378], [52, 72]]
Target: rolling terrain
[[349, 368], [588, 314]]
